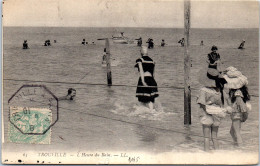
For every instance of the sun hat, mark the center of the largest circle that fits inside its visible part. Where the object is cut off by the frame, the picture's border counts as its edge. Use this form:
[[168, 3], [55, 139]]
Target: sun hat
[[235, 79], [232, 72], [214, 48]]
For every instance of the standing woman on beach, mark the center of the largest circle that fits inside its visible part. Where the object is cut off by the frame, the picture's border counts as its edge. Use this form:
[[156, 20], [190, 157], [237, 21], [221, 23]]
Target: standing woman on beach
[[146, 91], [211, 106]]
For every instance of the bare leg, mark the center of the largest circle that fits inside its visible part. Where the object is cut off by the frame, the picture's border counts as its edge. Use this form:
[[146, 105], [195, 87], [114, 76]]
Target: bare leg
[[206, 133], [237, 126], [150, 105], [142, 104], [233, 134], [214, 135]]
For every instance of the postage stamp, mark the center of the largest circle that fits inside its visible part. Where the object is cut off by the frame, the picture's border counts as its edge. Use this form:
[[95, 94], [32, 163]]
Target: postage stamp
[[33, 110], [28, 124]]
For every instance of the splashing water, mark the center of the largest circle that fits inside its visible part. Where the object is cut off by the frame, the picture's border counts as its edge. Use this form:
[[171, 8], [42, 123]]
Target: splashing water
[[142, 111]]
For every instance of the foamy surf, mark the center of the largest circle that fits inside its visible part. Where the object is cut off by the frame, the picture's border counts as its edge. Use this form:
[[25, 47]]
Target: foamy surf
[[139, 110]]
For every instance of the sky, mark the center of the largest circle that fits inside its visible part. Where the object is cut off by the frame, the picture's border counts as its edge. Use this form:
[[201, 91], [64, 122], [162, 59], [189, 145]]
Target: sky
[[130, 13]]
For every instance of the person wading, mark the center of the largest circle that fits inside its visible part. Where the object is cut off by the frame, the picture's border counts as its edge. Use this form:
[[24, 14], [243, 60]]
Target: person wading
[[146, 91], [238, 100], [211, 105]]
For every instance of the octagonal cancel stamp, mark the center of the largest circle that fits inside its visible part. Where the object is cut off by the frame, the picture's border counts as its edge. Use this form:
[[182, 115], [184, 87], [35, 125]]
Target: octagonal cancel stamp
[[33, 110]]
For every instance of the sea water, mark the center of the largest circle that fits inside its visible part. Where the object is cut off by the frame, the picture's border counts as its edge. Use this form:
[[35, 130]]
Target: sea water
[[103, 117]]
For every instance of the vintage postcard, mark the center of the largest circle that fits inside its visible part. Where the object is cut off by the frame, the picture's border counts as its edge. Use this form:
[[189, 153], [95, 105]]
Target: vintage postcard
[[130, 82]]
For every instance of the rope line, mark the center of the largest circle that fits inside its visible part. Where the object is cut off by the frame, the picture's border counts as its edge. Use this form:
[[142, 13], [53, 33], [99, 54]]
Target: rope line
[[99, 84], [92, 84]]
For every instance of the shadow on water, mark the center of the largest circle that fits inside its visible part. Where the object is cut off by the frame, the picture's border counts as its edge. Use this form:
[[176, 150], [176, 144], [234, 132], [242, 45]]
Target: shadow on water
[[188, 133], [146, 135]]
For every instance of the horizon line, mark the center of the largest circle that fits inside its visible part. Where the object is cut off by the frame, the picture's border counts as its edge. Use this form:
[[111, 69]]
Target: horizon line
[[126, 27]]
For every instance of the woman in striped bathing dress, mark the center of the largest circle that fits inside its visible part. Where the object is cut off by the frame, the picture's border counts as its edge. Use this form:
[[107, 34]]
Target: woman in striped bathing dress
[[146, 91]]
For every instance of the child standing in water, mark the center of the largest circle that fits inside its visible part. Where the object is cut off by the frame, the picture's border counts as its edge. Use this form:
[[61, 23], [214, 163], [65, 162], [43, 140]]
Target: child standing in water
[[239, 97], [211, 102]]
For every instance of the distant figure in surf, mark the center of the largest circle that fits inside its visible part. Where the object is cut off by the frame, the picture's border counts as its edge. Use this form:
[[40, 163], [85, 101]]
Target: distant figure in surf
[[83, 42], [181, 42], [70, 96], [139, 42], [201, 43], [214, 58], [242, 45], [55, 41], [25, 45], [150, 43], [163, 43], [47, 43], [147, 90]]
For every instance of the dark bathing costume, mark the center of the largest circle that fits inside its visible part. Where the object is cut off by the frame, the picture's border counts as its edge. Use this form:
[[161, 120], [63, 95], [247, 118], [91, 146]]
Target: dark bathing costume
[[146, 94], [212, 58]]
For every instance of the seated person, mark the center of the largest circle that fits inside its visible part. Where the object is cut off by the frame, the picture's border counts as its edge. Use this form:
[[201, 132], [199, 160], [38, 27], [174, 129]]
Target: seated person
[[213, 58]]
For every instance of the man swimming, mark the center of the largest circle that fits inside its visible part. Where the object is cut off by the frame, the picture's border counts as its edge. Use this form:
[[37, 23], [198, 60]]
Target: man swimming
[[70, 96]]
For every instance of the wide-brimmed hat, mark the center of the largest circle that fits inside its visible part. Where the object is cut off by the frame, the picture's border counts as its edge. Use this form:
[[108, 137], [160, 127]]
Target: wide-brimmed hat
[[232, 72], [235, 79]]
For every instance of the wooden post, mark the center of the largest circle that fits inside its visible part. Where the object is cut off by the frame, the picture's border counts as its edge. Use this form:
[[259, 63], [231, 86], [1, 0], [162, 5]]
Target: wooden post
[[109, 74], [187, 64]]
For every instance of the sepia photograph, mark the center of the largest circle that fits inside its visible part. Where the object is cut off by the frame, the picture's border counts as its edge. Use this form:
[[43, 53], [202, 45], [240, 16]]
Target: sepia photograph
[[130, 82]]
